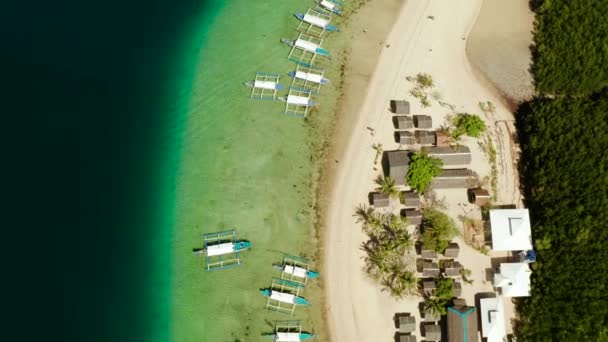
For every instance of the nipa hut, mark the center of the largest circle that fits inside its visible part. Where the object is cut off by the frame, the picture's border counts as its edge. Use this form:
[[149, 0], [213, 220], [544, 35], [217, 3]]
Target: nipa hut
[[462, 324], [479, 196], [452, 269], [429, 286], [432, 332], [453, 179], [425, 137], [403, 122], [414, 216], [405, 138], [452, 251], [407, 324], [400, 106], [429, 316], [380, 200], [423, 121], [398, 162], [430, 269], [410, 199], [428, 254], [407, 338], [457, 288], [450, 155]]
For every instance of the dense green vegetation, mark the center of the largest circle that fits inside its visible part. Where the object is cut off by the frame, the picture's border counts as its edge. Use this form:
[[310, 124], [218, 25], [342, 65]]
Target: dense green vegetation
[[468, 124], [422, 170], [386, 185], [571, 54], [436, 303], [565, 176], [438, 229]]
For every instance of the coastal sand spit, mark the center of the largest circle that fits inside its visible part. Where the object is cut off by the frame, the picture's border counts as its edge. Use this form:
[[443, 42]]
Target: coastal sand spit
[[428, 36]]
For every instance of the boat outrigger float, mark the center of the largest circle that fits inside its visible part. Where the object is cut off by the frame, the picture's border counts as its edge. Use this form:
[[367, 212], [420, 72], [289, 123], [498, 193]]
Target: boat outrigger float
[[222, 250]]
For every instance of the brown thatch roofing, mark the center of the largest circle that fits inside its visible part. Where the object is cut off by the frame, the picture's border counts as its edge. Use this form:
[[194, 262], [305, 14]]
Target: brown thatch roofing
[[404, 122], [443, 138], [411, 199], [430, 316], [430, 269], [453, 179], [479, 196], [407, 324], [425, 137], [462, 324], [423, 121], [429, 286], [414, 216], [400, 106], [452, 269], [428, 254], [450, 155], [380, 200], [405, 137], [432, 332], [452, 251], [398, 162], [407, 338], [457, 288]]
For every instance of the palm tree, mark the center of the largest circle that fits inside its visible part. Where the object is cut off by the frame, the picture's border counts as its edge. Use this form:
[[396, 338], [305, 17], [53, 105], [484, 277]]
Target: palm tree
[[386, 185], [363, 213], [408, 282], [435, 306]]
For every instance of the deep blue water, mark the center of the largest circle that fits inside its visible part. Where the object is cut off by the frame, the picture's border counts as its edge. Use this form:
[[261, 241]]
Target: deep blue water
[[93, 98]]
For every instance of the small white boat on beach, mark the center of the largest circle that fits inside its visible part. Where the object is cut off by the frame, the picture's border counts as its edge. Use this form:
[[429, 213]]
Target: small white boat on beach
[[316, 21], [330, 6], [306, 46], [298, 100], [309, 76]]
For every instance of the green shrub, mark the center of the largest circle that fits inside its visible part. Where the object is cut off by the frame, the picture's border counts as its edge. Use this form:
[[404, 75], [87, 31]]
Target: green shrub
[[468, 124], [422, 170], [438, 230]]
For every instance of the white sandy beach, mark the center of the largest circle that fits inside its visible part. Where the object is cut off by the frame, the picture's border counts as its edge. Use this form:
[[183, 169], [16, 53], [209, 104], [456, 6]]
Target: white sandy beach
[[356, 308]]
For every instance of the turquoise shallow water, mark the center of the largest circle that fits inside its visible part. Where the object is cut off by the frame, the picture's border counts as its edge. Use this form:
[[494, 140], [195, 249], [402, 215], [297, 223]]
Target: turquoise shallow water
[[246, 166]]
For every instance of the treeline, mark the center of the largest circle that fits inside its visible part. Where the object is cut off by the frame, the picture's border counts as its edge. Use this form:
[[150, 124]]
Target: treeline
[[571, 53], [565, 175]]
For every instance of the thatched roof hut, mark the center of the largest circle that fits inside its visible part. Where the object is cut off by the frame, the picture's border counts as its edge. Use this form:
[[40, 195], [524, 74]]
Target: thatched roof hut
[[423, 121], [430, 269], [429, 286], [410, 199], [462, 324], [414, 216], [406, 338], [426, 137], [429, 316], [452, 251], [406, 138], [398, 162], [380, 200], [400, 106], [432, 332], [428, 254], [452, 268], [479, 196], [457, 288], [450, 155], [453, 179], [407, 324], [443, 138], [403, 122]]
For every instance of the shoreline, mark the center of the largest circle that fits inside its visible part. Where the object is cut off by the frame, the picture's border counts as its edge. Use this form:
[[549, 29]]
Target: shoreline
[[348, 294]]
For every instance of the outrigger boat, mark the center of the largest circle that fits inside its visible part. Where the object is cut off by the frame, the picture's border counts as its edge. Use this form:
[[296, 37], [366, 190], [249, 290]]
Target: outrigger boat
[[330, 6], [222, 250], [309, 76], [297, 271], [306, 46], [284, 297], [264, 85], [298, 100], [290, 336], [316, 21]]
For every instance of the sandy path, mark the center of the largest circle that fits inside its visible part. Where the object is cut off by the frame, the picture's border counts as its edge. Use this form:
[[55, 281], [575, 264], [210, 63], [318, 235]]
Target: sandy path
[[357, 309]]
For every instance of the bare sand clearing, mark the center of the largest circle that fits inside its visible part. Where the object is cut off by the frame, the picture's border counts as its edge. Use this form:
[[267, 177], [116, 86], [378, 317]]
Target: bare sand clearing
[[499, 47], [356, 308]]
